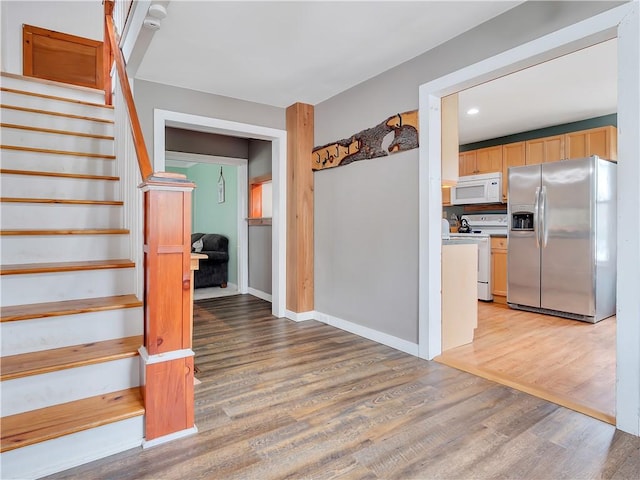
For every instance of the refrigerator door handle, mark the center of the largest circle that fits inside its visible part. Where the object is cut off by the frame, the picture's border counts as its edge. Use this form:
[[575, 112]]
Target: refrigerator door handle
[[544, 231], [536, 217]]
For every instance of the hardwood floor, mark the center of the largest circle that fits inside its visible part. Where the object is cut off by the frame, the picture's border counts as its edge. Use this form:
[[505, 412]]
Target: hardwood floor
[[280, 399], [564, 361]]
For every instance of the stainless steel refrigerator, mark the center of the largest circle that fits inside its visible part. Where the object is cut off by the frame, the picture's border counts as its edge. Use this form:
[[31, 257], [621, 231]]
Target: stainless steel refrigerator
[[562, 238]]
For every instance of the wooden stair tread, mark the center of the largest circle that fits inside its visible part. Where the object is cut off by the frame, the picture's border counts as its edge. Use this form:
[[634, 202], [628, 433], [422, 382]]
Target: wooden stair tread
[[54, 97], [52, 422], [67, 307], [57, 114], [86, 176], [29, 268], [46, 361], [67, 201], [56, 132], [58, 152], [68, 231]]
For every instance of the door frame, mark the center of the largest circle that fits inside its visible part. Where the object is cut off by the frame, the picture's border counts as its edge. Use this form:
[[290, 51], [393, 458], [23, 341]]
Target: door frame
[[278, 139], [242, 211], [624, 22]]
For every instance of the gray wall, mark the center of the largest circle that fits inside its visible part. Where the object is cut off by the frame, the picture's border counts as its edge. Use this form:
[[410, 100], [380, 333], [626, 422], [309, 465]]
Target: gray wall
[[366, 213], [260, 263], [259, 158], [150, 95], [191, 141], [260, 258]]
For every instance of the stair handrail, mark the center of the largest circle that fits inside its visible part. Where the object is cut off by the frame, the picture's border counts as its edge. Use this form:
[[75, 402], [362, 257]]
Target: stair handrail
[[144, 162]]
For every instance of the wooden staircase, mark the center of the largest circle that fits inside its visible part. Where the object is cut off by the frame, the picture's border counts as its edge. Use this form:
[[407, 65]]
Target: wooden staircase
[[70, 321]]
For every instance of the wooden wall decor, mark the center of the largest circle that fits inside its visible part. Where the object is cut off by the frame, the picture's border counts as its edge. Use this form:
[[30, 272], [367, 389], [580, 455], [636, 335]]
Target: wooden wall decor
[[368, 143]]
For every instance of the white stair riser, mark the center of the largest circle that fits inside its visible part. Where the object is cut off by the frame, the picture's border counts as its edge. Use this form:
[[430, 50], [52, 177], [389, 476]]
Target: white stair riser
[[46, 162], [54, 89], [35, 186], [53, 287], [40, 391], [72, 450], [53, 141], [39, 334], [56, 122], [59, 216], [62, 248], [49, 105]]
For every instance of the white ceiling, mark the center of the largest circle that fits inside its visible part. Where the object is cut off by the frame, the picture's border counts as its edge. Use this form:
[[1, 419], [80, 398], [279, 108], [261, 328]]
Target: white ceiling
[[570, 88], [279, 53]]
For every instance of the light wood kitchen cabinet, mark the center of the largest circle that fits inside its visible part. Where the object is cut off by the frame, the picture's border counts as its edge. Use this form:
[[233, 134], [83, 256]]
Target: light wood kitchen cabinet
[[546, 149], [489, 159], [446, 196], [602, 141], [499, 246], [483, 160], [513, 155], [467, 163]]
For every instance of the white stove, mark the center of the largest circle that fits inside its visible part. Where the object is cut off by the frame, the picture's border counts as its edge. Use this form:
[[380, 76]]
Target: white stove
[[482, 227], [492, 224]]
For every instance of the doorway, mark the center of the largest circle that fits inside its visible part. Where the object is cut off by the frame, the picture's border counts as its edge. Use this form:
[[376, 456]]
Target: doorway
[[207, 212], [278, 139], [623, 21], [564, 361]]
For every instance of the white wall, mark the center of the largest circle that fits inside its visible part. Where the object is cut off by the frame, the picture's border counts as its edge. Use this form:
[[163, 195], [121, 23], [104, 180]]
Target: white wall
[[81, 18]]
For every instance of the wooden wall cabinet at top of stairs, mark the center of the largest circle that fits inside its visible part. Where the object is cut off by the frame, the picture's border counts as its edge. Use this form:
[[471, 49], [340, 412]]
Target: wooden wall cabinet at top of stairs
[[62, 57], [71, 323]]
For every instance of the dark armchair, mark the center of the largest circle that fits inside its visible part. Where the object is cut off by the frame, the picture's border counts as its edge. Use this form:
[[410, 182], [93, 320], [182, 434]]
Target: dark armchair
[[213, 271]]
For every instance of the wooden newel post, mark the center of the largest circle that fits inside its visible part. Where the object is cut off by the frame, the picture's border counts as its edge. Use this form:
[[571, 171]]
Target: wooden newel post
[[167, 357]]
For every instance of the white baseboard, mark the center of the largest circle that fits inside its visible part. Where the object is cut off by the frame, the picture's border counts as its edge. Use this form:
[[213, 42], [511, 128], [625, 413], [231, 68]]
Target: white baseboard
[[300, 316], [368, 333], [260, 294]]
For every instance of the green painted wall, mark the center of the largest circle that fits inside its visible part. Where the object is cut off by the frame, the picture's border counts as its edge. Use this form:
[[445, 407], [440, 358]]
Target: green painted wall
[[209, 216]]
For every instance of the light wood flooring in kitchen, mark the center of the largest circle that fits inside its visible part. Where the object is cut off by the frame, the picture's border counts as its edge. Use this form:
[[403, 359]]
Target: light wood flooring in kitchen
[[565, 361], [281, 399]]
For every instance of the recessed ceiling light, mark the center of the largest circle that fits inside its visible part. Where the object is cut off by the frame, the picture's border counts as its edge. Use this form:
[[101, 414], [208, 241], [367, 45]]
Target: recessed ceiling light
[[473, 111]]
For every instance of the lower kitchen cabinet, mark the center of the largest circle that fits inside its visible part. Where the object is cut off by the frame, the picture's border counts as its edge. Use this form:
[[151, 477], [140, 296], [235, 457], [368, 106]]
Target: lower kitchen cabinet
[[499, 269]]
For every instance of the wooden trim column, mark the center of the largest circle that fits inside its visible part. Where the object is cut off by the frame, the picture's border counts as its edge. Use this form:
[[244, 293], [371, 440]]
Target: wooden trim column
[[167, 355], [299, 208]]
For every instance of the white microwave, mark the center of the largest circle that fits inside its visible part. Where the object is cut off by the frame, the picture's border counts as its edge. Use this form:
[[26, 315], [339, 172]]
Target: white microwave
[[485, 188]]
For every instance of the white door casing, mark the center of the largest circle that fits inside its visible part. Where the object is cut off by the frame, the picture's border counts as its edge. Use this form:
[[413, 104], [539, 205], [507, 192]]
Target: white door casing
[[623, 22]]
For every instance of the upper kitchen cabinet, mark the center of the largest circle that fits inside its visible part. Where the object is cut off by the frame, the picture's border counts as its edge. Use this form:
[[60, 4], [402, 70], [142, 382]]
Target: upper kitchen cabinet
[[483, 160], [446, 196], [467, 163], [513, 155], [489, 159], [543, 150], [602, 141]]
